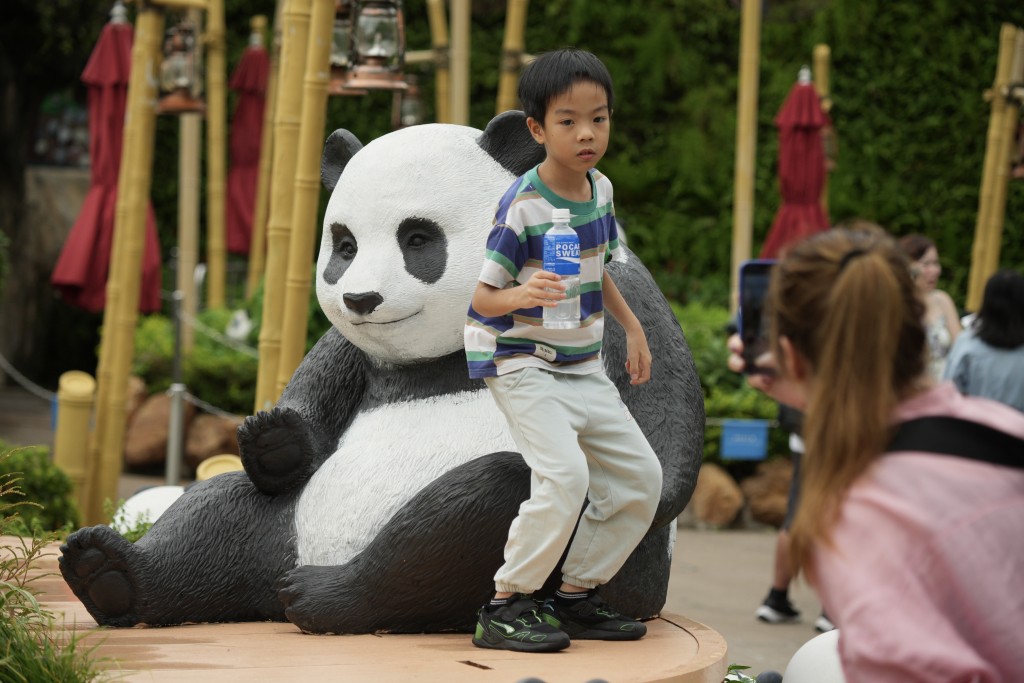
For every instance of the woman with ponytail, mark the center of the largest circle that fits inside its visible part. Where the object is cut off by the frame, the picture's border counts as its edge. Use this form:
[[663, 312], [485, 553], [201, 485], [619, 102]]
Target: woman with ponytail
[[911, 521]]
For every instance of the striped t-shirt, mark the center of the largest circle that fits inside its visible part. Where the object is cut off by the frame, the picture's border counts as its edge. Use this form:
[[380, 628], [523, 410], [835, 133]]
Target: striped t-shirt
[[515, 250]]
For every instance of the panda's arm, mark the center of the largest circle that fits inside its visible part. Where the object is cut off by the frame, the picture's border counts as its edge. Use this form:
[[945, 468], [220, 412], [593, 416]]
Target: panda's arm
[[282, 447]]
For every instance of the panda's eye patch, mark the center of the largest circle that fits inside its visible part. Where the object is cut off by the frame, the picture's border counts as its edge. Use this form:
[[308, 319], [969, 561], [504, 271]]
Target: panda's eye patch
[[343, 251], [424, 248]]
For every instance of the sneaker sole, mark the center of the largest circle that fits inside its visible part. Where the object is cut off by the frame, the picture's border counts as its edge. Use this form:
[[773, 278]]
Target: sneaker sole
[[773, 616], [577, 632]]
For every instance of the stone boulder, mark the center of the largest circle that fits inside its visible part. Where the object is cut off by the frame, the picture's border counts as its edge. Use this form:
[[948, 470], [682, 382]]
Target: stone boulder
[[717, 498], [767, 491], [145, 443], [210, 435]]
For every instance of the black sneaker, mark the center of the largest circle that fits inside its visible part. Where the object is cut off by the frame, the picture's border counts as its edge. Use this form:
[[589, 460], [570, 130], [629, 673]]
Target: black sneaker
[[592, 619], [777, 611], [517, 626]]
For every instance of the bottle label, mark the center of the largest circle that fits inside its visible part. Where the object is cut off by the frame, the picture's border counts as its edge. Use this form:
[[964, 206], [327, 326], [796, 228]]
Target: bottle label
[[562, 254]]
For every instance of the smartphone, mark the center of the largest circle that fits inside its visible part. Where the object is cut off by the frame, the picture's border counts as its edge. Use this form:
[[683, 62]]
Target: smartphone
[[753, 325]]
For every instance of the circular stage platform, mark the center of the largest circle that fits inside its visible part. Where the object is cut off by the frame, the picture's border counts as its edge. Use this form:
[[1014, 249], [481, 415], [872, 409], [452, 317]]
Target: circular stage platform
[[675, 649]]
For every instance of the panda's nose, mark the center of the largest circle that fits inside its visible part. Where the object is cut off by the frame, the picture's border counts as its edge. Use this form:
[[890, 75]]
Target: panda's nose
[[363, 303]]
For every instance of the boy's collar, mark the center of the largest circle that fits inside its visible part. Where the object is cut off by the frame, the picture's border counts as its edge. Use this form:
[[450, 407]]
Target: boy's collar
[[558, 201]]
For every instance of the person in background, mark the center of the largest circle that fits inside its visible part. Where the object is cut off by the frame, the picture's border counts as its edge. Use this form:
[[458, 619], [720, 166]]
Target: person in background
[[941, 320], [915, 555], [988, 358]]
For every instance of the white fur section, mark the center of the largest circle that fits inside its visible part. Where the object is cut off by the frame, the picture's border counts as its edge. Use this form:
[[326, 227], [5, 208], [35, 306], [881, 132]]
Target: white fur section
[[384, 458], [433, 171]]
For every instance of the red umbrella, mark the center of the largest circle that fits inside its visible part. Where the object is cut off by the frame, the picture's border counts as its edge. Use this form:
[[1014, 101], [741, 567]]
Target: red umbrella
[[81, 270], [801, 169], [249, 80]]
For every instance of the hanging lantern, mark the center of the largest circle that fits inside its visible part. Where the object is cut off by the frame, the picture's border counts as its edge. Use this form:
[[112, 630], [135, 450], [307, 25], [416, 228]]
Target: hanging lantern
[[378, 49], [178, 77], [341, 51]]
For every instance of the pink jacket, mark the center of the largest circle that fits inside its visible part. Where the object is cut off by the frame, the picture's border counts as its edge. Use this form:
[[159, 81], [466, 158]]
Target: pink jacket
[[925, 577]]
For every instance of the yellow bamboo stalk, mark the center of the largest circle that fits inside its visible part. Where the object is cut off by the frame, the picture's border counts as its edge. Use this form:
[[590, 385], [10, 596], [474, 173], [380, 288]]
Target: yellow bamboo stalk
[[216, 156], [120, 315], [295, 318], [822, 57], [460, 51], [746, 142], [258, 247], [288, 110], [75, 393], [995, 172], [190, 141], [511, 55], [439, 42]]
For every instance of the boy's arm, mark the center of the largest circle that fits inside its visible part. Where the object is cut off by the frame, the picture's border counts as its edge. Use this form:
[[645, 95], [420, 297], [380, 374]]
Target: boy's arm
[[491, 302], [638, 354]]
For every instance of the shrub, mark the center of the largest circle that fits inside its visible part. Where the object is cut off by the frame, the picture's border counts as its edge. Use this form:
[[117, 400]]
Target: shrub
[[44, 486], [32, 646]]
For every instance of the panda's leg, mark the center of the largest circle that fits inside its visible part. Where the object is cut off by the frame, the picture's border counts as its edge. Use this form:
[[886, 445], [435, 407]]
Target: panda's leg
[[214, 555], [432, 565]]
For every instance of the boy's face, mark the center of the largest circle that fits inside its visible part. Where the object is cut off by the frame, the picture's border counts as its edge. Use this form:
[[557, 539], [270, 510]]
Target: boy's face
[[575, 128]]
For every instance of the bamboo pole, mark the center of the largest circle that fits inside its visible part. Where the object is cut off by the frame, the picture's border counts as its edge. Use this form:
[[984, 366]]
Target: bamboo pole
[[258, 247], [511, 55], [995, 173], [125, 278], [460, 51], [216, 156], [75, 393], [746, 142], [822, 57], [439, 42], [190, 127], [288, 109], [295, 318]]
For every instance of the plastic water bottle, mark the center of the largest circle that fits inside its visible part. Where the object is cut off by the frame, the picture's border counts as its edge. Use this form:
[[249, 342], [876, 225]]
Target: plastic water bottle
[[562, 256]]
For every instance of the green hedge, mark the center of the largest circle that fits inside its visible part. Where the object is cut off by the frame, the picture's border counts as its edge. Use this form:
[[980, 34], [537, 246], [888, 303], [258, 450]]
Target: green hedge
[[40, 483]]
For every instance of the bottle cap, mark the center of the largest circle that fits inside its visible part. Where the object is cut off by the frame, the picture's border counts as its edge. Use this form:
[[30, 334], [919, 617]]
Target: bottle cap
[[560, 215]]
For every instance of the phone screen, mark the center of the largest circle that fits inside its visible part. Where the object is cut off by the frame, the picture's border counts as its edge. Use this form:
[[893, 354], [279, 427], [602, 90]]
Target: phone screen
[[754, 278]]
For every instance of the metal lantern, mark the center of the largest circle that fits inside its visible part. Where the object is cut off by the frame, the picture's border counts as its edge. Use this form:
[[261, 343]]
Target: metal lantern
[[378, 46], [178, 77]]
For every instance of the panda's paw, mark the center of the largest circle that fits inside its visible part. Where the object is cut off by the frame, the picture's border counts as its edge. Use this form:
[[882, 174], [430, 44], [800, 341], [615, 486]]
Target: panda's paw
[[277, 449], [315, 602], [100, 566]]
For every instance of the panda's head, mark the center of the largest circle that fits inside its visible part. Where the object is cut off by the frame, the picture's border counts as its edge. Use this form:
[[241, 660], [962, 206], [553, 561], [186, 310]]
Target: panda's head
[[405, 227]]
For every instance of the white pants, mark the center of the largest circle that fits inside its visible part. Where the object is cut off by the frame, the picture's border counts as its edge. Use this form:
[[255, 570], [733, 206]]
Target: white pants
[[580, 441]]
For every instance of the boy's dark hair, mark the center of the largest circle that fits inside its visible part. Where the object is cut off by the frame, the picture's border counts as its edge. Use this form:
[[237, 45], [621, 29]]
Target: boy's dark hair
[[1001, 318], [554, 73]]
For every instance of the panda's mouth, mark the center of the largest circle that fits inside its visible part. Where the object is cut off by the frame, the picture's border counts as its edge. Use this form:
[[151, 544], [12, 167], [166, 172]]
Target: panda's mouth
[[386, 322]]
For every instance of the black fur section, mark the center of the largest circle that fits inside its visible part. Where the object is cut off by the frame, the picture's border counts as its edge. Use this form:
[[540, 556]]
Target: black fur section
[[388, 384], [669, 408], [640, 587], [283, 447], [340, 147], [429, 569], [343, 251], [214, 555], [424, 248], [508, 141]]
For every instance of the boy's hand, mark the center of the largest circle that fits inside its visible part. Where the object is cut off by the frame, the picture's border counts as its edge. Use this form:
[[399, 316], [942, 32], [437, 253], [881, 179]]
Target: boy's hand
[[638, 357], [536, 290]]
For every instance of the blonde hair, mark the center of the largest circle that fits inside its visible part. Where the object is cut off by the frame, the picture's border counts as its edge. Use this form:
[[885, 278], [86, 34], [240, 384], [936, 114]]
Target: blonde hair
[[847, 304]]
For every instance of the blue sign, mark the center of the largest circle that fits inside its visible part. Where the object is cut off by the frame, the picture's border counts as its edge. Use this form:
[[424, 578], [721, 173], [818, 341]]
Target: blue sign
[[744, 439]]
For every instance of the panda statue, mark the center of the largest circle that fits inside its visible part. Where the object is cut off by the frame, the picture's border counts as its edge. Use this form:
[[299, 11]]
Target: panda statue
[[378, 491]]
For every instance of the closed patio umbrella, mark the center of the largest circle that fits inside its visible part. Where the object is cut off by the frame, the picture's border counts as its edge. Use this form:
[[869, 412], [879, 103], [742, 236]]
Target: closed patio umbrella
[[249, 80], [81, 270], [801, 168]]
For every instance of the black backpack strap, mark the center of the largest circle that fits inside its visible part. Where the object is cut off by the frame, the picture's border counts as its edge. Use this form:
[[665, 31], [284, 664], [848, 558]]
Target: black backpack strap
[[953, 436]]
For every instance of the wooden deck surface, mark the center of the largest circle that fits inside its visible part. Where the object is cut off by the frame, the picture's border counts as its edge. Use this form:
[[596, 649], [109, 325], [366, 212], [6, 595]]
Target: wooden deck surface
[[675, 649]]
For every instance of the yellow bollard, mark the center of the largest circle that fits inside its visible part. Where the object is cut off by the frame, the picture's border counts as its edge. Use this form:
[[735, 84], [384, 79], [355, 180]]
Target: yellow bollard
[[76, 393]]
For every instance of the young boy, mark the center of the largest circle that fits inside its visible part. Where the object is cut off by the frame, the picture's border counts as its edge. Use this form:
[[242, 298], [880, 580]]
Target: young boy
[[564, 414]]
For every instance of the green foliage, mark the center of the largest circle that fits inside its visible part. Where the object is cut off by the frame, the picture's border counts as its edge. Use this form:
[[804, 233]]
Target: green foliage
[[131, 529], [736, 674], [33, 647], [45, 490]]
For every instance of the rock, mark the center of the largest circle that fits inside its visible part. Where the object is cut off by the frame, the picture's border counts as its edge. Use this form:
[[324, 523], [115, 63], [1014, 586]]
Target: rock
[[717, 498], [136, 396], [145, 443], [210, 435], [767, 491]]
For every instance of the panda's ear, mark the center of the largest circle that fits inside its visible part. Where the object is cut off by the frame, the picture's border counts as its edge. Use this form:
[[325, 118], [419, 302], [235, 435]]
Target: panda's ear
[[508, 140], [340, 147]]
